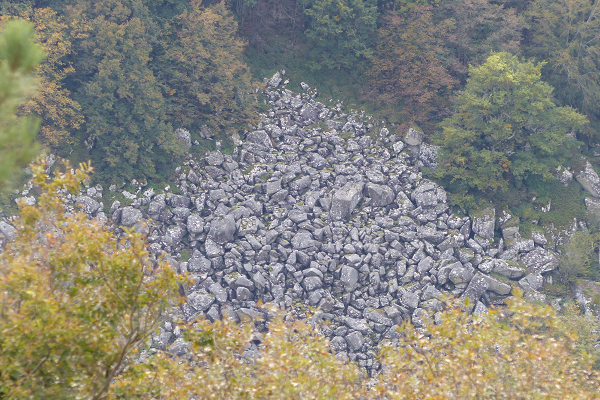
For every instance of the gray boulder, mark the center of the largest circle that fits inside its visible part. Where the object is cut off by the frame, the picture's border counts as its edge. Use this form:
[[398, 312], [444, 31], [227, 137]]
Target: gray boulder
[[260, 137], [222, 229], [349, 277], [588, 178], [130, 216], [413, 137], [87, 204], [484, 222], [345, 200], [477, 287], [508, 268], [380, 195], [200, 301], [183, 135], [540, 260], [8, 231], [355, 340]]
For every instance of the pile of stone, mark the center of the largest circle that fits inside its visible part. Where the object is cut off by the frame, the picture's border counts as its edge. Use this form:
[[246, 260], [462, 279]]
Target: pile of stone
[[329, 210]]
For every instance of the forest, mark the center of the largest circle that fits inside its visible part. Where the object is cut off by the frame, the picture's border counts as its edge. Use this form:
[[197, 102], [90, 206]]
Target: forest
[[507, 94]]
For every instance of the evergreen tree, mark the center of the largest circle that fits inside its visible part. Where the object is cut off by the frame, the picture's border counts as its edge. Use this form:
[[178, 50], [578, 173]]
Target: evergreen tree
[[19, 56], [339, 30]]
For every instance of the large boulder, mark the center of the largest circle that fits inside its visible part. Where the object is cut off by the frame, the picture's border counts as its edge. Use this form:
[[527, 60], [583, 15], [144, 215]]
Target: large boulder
[[130, 216], [7, 230], [413, 137], [260, 137], [183, 135], [222, 229], [588, 178], [381, 195], [345, 200], [484, 222], [87, 204], [540, 260]]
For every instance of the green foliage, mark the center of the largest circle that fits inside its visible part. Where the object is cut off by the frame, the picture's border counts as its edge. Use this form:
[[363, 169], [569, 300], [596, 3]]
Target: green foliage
[[506, 127], [579, 259], [205, 71], [566, 35], [77, 301], [19, 56], [120, 96], [479, 27], [340, 31], [408, 67]]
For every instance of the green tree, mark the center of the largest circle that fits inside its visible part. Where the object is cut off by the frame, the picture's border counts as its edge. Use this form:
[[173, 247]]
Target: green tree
[[60, 115], [121, 99], [506, 127], [204, 69], [339, 31], [77, 301], [480, 26], [19, 56], [567, 35]]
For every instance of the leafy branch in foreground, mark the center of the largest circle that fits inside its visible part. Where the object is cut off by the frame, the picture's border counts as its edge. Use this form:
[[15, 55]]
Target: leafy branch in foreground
[[76, 301]]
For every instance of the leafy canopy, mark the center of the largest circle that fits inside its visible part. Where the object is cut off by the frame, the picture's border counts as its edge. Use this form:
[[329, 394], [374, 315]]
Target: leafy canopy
[[506, 127], [76, 300]]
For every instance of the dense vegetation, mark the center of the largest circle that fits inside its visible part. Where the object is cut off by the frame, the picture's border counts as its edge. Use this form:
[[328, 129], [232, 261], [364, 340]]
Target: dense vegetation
[[121, 76], [498, 85]]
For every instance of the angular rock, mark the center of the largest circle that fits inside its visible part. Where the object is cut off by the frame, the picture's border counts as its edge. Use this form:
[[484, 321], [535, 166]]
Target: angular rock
[[130, 216], [413, 137], [355, 340], [200, 301], [345, 200], [510, 269], [588, 178], [477, 287], [222, 229], [540, 261], [349, 277], [380, 195], [484, 222]]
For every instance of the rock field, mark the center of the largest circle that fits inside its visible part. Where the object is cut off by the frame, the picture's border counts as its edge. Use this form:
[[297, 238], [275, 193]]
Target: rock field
[[322, 209]]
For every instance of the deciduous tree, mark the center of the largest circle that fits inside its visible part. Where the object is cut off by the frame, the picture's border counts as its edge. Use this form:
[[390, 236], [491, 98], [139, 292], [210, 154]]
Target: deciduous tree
[[522, 351], [204, 69], [76, 301], [60, 114], [566, 34], [408, 65], [505, 128]]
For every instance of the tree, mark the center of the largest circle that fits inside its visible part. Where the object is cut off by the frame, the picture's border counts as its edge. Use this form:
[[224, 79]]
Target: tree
[[408, 68], [121, 98], [506, 127], [339, 30], [567, 35], [60, 115], [77, 301], [480, 26], [522, 351], [19, 56], [204, 69]]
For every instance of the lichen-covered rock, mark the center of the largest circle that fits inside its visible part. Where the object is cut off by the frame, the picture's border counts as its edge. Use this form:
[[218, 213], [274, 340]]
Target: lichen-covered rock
[[345, 200], [588, 178], [484, 222]]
